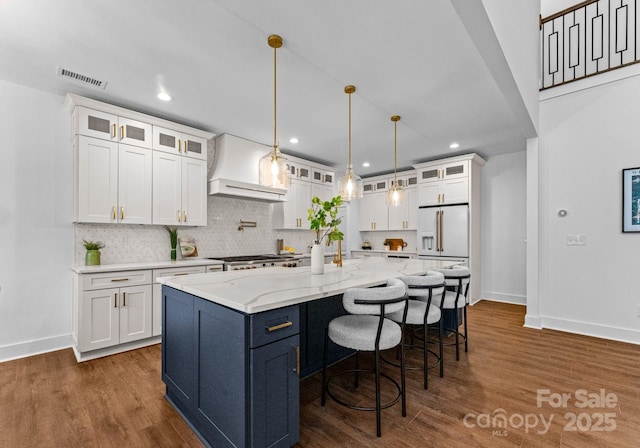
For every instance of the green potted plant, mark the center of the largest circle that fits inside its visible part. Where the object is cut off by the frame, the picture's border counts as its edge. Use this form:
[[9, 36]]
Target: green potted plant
[[324, 222], [173, 238], [92, 257]]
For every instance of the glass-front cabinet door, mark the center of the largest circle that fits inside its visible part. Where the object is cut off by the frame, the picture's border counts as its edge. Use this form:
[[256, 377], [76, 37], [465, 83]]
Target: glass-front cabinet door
[[93, 123]]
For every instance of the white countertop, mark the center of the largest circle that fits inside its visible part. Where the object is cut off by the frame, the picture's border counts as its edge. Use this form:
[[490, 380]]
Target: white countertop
[[265, 289], [81, 269], [379, 251]]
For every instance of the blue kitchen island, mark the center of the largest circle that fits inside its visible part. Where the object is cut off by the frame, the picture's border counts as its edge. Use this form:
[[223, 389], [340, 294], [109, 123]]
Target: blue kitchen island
[[235, 344]]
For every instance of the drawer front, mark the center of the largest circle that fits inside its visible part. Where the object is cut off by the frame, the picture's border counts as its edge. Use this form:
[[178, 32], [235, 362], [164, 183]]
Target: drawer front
[[115, 279], [271, 326], [177, 272], [214, 268]]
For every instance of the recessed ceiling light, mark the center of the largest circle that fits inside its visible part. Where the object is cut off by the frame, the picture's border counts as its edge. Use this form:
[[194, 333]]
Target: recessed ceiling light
[[366, 164], [164, 96], [454, 145], [293, 140]]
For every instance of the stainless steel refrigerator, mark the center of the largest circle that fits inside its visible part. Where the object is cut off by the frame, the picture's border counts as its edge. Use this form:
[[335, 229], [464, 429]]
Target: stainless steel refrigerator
[[443, 231]]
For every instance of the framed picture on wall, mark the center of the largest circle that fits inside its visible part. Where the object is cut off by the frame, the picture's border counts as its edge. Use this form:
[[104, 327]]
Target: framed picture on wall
[[631, 200]]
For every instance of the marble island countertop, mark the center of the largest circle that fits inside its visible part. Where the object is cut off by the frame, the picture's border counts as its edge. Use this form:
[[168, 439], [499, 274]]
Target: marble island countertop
[[265, 289]]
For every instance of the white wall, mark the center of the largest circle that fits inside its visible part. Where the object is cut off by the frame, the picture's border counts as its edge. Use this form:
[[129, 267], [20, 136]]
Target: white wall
[[587, 138], [504, 228], [35, 207]]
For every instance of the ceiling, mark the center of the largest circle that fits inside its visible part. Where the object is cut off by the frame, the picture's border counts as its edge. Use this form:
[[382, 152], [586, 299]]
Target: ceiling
[[411, 58]]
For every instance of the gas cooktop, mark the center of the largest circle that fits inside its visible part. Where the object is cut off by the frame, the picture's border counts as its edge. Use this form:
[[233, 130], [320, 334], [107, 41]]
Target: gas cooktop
[[246, 258]]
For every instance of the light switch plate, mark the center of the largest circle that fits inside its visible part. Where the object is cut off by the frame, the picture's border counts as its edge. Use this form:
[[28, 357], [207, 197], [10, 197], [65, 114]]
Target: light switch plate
[[576, 239]]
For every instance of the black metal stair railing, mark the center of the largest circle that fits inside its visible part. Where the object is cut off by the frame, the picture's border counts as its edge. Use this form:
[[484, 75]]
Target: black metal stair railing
[[592, 37]]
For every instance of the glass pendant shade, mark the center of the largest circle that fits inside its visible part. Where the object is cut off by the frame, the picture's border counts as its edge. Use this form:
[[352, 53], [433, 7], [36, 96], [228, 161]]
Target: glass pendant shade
[[396, 196], [274, 170], [350, 185], [273, 166]]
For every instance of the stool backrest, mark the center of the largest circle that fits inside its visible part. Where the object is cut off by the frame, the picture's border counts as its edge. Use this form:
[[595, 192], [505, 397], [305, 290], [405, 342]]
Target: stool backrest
[[395, 289], [425, 287], [457, 278]]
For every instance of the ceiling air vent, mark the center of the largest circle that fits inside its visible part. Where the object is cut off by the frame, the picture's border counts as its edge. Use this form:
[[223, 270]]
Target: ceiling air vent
[[82, 79]]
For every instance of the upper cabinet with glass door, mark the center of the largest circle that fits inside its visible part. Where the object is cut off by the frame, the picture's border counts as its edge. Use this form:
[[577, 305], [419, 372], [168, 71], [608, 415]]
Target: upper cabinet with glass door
[[175, 142], [106, 126]]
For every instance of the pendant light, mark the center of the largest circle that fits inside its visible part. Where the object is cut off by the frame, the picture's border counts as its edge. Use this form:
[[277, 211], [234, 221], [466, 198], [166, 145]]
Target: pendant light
[[350, 184], [396, 194], [274, 169]]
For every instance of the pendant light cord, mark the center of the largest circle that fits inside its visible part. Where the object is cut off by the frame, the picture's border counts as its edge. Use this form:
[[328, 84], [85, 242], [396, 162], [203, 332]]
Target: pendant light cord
[[349, 165], [275, 121], [395, 153]]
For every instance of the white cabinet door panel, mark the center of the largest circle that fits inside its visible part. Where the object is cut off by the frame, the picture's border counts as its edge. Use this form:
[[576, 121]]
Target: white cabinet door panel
[[166, 140], [136, 133], [93, 123], [134, 185], [99, 319], [194, 192], [97, 180], [455, 191], [167, 188], [156, 310], [135, 313]]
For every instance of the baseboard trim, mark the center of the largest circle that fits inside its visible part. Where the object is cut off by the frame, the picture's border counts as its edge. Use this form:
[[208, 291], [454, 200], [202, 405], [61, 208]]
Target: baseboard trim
[[504, 298], [533, 322], [36, 347], [93, 354], [588, 329]]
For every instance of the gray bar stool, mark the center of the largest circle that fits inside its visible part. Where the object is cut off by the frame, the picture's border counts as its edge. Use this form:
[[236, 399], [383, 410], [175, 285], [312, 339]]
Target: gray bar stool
[[367, 329], [457, 280], [421, 311]]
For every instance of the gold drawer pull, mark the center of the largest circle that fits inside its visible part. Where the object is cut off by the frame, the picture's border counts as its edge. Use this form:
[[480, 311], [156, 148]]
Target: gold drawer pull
[[181, 273], [298, 360], [280, 327], [119, 279]]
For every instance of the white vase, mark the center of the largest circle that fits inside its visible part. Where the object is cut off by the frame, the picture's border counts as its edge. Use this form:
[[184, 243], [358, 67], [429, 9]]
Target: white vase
[[317, 259]]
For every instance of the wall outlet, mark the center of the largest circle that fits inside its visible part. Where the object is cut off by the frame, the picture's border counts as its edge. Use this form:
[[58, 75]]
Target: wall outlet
[[576, 239]]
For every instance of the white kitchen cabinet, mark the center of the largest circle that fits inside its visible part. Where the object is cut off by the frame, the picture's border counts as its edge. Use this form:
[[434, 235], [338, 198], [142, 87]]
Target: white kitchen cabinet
[[308, 179], [114, 308], [443, 183], [373, 212], [456, 180], [324, 192], [293, 214], [322, 176], [176, 142], [375, 185], [405, 216], [112, 183], [156, 324], [179, 190], [111, 127], [365, 254]]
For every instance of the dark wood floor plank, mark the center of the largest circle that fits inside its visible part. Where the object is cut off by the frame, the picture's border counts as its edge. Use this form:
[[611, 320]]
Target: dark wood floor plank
[[118, 401]]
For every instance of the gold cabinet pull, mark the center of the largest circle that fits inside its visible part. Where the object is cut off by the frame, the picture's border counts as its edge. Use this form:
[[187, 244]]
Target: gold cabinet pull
[[280, 326], [124, 299], [113, 212], [181, 273], [114, 131], [179, 215], [115, 298], [443, 198], [185, 146], [184, 216], [179, 145], [121, 212], [119, 279], [298, 360], [121, 132]]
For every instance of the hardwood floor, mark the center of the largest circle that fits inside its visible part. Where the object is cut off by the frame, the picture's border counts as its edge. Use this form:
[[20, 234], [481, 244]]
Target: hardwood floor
[[50, 400]]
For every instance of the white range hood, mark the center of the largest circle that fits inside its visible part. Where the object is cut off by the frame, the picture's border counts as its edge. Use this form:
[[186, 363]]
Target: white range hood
[[236, 173]]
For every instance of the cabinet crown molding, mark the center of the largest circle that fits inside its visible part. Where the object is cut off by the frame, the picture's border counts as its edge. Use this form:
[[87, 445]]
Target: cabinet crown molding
[[473, 157]]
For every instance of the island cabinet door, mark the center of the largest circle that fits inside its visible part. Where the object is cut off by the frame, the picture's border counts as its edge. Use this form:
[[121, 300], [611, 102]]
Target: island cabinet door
[[275, 392], [179, 360]]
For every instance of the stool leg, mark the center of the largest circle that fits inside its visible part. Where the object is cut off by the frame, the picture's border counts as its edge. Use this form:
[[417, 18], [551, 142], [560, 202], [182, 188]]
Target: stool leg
[[424, 359], [466, 338], [378, 430], [324, 367], [356, 374], [456, 324], [440, 334], [403, 378]]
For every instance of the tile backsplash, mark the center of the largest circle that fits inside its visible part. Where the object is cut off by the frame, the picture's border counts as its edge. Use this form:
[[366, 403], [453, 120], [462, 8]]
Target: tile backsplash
[[221, 237]]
